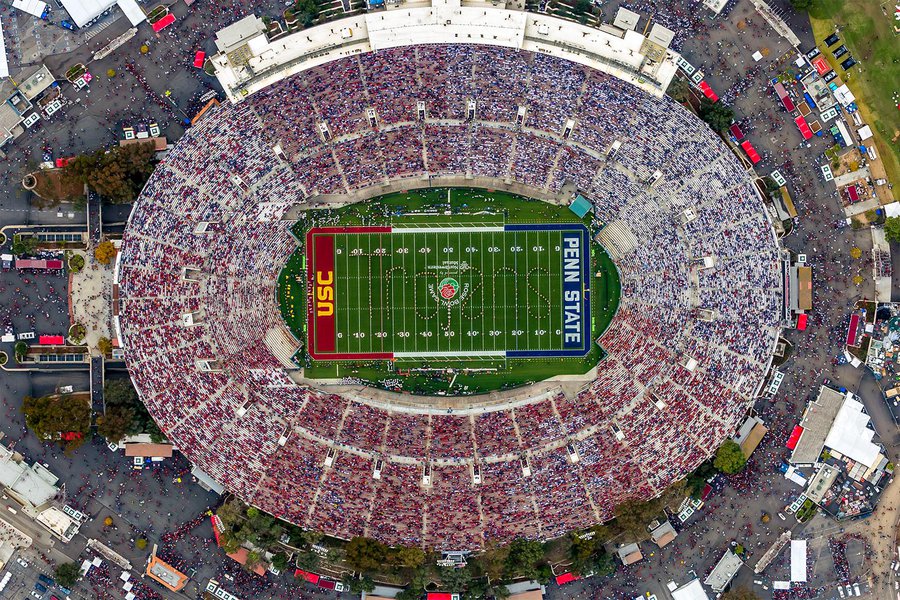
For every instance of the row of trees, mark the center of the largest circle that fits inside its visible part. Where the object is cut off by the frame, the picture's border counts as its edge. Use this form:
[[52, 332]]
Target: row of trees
[[50, 416]]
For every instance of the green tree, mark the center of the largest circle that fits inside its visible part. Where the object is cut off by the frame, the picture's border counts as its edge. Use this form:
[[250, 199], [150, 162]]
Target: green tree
[[364, 554], [24, 244], [20, 350], [116, 423], [892, 229], [307, 560], [104, 345], [524, 556], [633, 516], [716, 114], [67, 574], [280, 561], [417, 582], [679, 90], [696, 481], [50, 416], [407, 556], [358, 585], [492, 561], [730, 458]]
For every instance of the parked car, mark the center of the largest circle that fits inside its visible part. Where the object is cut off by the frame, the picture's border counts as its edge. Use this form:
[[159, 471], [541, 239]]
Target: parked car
[[68, 25]]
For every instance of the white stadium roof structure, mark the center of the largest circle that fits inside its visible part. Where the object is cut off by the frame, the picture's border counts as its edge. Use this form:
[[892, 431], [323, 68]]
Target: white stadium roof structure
[[210, 232], [645, 62]]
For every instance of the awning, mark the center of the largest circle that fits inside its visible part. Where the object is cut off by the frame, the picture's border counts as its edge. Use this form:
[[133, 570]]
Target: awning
[[164, 22], [795, 437], [751, 152], [804, 128]]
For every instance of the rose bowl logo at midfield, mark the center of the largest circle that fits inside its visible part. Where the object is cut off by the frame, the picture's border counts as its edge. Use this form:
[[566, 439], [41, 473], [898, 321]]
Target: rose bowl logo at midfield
[[448, 288]]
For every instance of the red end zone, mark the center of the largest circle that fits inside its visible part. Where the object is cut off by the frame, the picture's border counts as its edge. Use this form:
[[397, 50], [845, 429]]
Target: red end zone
[[322, 303]]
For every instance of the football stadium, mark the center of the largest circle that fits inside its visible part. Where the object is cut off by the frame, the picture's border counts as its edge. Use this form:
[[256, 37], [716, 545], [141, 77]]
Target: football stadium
[[389, 202]]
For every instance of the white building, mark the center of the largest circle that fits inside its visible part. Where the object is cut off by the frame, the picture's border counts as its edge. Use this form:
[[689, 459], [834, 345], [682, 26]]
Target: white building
[[247, 61]]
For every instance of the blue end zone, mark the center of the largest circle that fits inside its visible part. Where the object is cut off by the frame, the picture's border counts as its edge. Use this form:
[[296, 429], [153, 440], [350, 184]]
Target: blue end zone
[[583, 346]]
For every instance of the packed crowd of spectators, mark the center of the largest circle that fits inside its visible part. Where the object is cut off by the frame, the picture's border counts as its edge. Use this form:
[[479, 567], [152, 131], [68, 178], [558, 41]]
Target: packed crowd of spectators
[[206, 240]]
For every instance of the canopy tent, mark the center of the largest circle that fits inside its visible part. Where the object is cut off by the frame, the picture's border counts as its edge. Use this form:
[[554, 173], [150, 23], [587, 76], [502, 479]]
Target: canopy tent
[[51, 340], [821, 65], [163, 23], [736, 132], [795, 437], [802, 321], [851, 436], [804, 128], [798, 561], [752, 154], [708, 92], [853, 330]]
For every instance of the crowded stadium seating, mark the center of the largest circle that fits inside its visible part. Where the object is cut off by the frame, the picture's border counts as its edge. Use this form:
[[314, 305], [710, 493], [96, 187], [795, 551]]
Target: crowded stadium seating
[[643, 423]]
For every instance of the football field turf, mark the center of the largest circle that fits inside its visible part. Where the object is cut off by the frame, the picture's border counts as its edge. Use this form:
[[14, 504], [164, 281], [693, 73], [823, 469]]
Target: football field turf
[[457, 292]]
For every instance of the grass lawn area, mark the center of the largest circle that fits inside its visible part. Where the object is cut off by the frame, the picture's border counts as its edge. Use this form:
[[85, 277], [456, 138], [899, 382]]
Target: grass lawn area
[[867, 33]]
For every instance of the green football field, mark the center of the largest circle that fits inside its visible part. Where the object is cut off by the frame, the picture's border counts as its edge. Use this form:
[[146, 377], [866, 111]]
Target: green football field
[[395, 329], [459, 292]]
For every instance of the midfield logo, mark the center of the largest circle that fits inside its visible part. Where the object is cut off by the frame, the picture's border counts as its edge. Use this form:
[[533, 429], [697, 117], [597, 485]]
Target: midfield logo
[[448, 288]]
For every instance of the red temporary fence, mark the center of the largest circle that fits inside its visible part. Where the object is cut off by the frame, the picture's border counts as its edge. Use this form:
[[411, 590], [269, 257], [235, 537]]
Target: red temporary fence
[[805, 131], [752, 154], [163, 23]]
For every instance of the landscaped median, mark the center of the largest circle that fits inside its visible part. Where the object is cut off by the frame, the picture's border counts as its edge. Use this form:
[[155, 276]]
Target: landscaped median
[[867, 33]]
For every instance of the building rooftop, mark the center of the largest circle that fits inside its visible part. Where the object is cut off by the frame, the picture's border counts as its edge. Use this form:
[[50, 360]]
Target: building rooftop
[[816, 423], [166, 574], [724, 571], [247, 61], [34, 485]]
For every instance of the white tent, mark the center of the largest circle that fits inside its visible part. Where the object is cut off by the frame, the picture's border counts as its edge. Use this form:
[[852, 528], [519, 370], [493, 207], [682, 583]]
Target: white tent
[[864, 132], [850, 435], [798, 561], [32, 7], [692, 590]]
